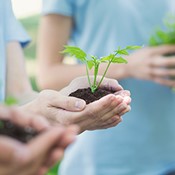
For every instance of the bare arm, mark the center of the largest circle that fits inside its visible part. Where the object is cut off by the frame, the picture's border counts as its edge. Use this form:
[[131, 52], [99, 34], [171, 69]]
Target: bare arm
[[18, 84], [54, 33]]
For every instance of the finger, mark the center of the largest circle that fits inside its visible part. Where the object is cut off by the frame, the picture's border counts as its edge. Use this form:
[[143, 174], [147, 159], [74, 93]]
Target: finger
[[102, 107], [116, 111], [28, 120], [162, 61], [55, 156], [162, 72], [5, 112], [112, 124], [53, 135], [11, 150], [58, 137], [125, 111], [166, 82], [69, 136], [111, 120], [68, 103], [123, 93], [111, 85], [42, 171], [163, 49]]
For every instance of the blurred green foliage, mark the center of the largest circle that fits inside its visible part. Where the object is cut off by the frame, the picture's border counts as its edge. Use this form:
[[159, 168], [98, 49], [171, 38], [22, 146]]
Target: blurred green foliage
[[166, 35], [31, 25]]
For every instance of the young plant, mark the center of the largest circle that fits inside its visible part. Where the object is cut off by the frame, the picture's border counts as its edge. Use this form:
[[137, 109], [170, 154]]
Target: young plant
[[166, 35], [92, 61]]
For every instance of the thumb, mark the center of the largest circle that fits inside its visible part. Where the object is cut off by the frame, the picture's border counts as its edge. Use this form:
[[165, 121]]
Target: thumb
[[10, 149], [67, 103]]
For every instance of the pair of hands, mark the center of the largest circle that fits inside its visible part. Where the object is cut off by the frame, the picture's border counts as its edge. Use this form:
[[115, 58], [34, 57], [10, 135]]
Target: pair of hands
[[37, 156], [151, 64], [60, 109]]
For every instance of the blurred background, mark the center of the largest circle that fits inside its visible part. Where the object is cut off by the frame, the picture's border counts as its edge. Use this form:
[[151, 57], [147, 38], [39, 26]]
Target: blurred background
[[28, 13]]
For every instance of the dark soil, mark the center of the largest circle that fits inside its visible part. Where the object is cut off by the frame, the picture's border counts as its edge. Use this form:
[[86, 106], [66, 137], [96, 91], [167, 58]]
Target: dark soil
[[7, 128], [88, 96]]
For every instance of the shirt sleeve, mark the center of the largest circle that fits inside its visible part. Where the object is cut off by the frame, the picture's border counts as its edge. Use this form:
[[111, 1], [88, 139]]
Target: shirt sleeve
[[14, 31], [63, 7]]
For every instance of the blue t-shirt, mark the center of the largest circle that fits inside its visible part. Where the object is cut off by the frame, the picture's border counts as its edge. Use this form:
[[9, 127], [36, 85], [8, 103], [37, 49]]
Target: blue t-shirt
[[144, 143], [10, 30]]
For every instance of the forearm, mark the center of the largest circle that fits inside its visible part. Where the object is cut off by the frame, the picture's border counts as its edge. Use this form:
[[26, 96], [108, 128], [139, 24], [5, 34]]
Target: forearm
[[59, 75], [115, 71], [17, 82]]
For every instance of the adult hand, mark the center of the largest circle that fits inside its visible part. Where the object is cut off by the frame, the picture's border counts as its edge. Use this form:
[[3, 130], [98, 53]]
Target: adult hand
[[151, 64], [103, 113], [36, 156]]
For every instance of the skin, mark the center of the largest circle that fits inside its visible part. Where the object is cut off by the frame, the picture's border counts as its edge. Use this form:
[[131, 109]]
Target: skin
[[58, 108], [101, 114], [145, 64], [32, 158]]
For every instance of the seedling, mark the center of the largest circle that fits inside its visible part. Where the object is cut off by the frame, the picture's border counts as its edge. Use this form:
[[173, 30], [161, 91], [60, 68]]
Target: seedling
[[92, 61]]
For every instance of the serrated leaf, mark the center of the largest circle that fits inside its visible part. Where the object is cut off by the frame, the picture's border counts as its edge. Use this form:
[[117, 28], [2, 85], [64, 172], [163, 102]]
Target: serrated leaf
[[75, 51], [119, 60], [133, 47], [107, 58], [90, 64], [94, 57], [122, 52]]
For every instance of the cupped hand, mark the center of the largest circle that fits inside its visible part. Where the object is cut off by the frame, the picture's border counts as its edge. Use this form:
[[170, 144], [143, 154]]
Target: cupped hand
[[103, 113], [60, 109], [38, 155], [151, 64]]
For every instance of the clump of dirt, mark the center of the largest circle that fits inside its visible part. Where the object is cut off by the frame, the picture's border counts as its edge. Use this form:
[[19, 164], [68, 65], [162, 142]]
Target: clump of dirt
[[88, 96], [23, 134]]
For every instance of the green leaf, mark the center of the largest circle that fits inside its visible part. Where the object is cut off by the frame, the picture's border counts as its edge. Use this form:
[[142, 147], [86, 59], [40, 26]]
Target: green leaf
[[107, 58], [153, 41], [133, 47], [122, 52], [94, 57], [119, 60], [90, 64], [9, 101], [75, 51]]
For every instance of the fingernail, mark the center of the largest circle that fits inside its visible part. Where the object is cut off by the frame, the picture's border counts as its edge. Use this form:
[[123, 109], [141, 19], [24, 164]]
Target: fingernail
[[80, 104], [127, 99]]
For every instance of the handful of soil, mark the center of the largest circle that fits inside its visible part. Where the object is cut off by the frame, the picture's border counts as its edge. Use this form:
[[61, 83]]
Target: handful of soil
[[23, 134], [90, 97]]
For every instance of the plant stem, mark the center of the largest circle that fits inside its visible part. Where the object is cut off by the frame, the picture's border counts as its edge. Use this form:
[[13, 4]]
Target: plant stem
[[104, 74], [89, 81], [106, 70], [96, 67]]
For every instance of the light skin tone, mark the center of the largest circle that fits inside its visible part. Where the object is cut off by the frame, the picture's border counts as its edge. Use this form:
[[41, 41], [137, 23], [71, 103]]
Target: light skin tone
[[56, 106], [145, 64], [101, 114], [32, 158]]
